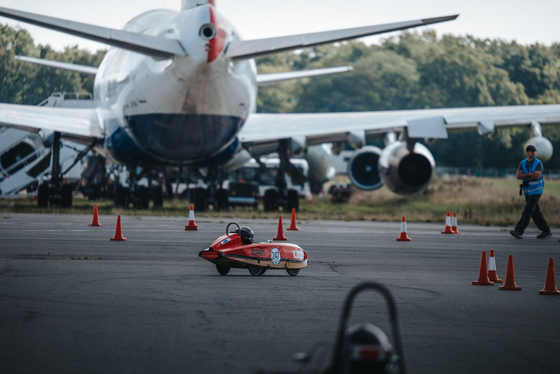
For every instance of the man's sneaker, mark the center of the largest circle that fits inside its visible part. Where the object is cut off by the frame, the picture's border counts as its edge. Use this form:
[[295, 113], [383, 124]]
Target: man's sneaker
[[544, 235], [517, 234]]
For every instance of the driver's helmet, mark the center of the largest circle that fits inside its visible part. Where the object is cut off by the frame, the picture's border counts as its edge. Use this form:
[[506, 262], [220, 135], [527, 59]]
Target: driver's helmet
[[370, 349], [246, 235]]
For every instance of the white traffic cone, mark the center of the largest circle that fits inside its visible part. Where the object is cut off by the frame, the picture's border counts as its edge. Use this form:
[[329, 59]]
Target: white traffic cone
[[191, 226]]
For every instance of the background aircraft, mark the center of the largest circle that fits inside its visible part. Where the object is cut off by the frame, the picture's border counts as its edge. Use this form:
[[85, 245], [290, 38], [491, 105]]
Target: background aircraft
[[179, 89]]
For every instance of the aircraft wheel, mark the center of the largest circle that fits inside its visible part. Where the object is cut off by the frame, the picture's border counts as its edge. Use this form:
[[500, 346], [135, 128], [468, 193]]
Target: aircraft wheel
[[66, 196], [223, 204], [223, 270], [200, 199], [43, 196], [256, 270], [120, 197], [158, 197], [293, 272], [143, 198], [270, 198], [293, 200]]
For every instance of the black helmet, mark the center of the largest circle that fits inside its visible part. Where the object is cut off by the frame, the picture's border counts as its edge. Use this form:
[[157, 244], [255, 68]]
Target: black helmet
[[246, 235], [370, 350]]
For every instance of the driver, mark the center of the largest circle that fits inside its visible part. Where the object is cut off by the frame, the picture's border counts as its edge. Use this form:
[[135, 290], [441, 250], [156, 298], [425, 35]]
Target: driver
[[246, 235]]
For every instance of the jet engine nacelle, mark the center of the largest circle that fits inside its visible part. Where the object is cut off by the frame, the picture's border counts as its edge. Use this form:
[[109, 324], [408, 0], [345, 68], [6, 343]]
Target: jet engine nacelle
[[362, 168], [405, 172], [543, 146]]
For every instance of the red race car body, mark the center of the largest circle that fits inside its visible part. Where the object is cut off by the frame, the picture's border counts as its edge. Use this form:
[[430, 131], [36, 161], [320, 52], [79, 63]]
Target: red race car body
[[228, 252]]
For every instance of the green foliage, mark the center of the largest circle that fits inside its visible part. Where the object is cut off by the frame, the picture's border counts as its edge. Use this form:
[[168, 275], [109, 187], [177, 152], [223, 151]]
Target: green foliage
[[25, 83], [420, 70]]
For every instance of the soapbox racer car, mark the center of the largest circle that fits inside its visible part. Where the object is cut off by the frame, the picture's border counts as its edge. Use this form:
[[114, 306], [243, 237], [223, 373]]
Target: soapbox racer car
[[237, 250]]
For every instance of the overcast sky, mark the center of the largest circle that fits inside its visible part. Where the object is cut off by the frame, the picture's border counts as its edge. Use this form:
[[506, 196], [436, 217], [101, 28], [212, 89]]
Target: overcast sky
[[525, 21]]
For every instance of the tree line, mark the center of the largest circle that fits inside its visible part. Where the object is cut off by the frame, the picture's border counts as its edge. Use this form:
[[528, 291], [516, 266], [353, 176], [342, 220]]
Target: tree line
[[413, 70]]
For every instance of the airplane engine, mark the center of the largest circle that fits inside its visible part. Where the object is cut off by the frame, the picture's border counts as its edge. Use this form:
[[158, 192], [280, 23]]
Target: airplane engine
[[405, 172], [363, 169], [543, 146]]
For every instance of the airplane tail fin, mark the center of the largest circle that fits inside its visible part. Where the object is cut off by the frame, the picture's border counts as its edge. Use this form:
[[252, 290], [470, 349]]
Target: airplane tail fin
[[188, 4]]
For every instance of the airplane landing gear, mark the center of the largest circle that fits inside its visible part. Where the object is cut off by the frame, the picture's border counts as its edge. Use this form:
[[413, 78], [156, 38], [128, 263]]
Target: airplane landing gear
[[137, 196], [281, 196]]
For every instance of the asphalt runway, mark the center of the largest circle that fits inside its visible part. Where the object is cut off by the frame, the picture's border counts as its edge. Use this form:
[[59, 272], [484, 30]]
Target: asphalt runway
[[72, 301]]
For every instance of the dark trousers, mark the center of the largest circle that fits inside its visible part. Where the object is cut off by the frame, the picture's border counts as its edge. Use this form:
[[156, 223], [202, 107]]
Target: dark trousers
[[532, 210]]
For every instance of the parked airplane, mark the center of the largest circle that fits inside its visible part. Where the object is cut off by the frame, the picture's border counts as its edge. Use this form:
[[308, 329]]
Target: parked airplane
[[179, 89]]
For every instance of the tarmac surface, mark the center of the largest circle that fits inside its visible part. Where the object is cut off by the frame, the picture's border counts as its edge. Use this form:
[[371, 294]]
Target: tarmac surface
[[72, 301]]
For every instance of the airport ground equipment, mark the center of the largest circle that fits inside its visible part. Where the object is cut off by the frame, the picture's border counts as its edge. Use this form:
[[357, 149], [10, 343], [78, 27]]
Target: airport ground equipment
[[364, 348], [340, 193], [228, 251]]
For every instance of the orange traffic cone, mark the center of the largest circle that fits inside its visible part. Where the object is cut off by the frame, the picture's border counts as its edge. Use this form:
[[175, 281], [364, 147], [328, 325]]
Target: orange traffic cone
[[293, 224], [448, 229], [454, 227], [191, 226], [95, 221], [404, 235], [118, 232], [550, 283], [280, 234], [510, 285], [483, 273], [492, 273]]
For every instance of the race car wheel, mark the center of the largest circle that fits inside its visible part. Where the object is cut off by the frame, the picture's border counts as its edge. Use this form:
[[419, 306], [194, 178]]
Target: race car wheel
[[256, 270], [223, 270], [293, 272]]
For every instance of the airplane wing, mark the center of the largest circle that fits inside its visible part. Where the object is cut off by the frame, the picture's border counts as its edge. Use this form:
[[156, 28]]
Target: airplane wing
[[141, 43], [265, 79], [88, 70], [78, 124], [317, 128], [244, 49]]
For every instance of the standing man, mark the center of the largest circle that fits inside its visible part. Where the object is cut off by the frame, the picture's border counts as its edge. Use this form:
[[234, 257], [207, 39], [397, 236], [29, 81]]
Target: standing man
[[530, 170]]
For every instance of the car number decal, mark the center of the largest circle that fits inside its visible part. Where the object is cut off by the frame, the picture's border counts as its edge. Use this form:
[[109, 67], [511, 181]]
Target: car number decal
[[275, 256]]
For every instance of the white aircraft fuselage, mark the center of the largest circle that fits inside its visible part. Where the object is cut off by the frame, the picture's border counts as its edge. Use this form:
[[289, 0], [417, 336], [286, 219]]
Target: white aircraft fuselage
[[183, 110]]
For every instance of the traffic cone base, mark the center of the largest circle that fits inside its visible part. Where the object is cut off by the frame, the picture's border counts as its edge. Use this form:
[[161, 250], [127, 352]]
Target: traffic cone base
[[448, 229], [293, 223], [95, 221], [509, 284], [492, 273], [483, 273], [280, 233], [550, 284], [118, 232], [191, 226], [404, 235]]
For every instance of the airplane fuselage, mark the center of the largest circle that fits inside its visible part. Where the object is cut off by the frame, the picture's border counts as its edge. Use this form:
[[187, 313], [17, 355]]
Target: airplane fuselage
[[184, 110]]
